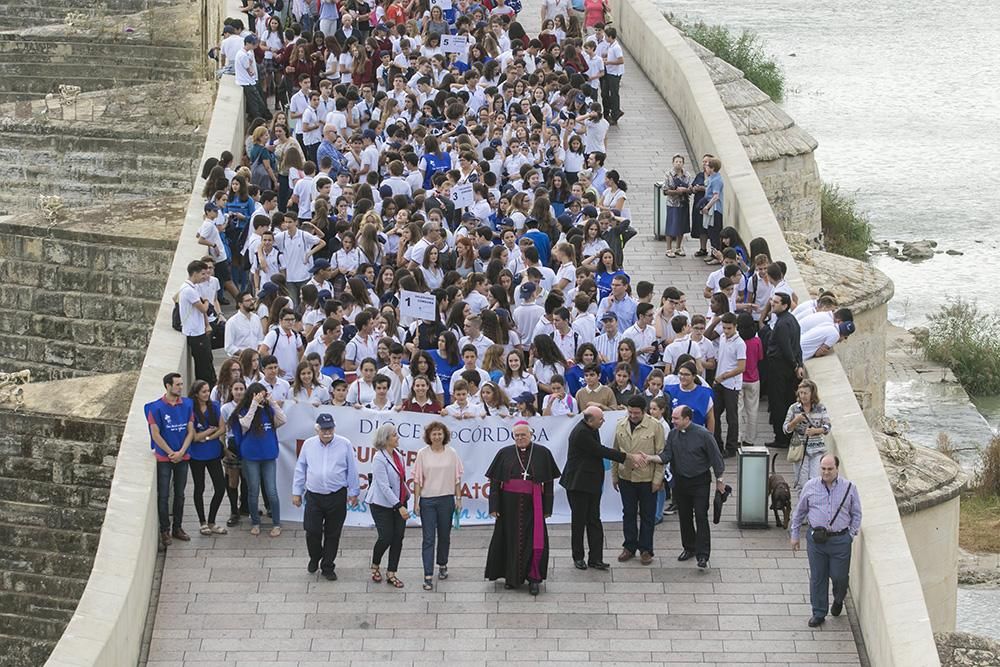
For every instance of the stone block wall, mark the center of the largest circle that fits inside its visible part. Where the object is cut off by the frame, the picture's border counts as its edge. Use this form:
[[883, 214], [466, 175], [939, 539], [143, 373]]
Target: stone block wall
[[794, 189], [56, 465], [19, 14], [77, 302]]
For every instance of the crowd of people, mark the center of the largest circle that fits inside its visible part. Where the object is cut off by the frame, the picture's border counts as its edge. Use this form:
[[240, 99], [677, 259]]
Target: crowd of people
[[382, 160]]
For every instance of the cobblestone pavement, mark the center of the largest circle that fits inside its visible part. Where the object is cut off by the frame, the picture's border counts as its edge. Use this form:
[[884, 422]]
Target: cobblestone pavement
[[240, 600]]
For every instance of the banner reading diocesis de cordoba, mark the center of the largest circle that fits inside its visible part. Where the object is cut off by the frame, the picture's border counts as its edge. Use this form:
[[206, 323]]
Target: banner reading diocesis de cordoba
[[475, 440]]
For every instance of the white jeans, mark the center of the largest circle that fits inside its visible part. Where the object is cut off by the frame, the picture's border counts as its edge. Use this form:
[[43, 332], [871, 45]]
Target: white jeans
[[749, 402], [328, 26]]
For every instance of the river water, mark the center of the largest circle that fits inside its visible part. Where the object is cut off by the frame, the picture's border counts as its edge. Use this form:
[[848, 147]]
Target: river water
[[903, 97]]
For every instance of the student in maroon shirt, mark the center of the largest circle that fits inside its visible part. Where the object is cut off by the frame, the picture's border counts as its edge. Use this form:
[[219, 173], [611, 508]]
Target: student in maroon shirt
[[421, 399]]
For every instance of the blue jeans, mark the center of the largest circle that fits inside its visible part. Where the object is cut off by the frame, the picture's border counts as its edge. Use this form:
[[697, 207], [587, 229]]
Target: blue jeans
[[257, 473], [435, 521], [661, 499], [638, 502], [828, 562], [179, 472]]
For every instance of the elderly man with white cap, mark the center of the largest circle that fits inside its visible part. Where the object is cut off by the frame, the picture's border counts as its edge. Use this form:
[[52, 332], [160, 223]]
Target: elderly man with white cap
[[327, 474]]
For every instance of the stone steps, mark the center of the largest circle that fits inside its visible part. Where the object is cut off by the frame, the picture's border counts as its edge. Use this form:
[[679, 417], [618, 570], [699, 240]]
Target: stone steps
[[51, 539], [23, 87], [37, 607], [89, 332], [54, 586]]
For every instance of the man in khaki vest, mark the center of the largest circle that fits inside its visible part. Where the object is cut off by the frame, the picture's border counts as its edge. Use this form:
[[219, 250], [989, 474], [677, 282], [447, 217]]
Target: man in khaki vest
[[638, 433]]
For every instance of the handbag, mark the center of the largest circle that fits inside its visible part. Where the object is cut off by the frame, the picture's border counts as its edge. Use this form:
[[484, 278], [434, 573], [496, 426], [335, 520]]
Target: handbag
[[796, 449], [822, 534]]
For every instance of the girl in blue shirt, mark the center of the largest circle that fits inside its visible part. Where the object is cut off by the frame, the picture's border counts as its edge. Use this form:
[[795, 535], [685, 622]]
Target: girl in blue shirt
[[255, 426], [691, 393], [607, 270], [206, 454]]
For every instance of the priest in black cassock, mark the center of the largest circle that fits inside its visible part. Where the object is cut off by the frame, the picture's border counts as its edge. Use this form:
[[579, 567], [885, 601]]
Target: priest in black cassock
[[521, 487]]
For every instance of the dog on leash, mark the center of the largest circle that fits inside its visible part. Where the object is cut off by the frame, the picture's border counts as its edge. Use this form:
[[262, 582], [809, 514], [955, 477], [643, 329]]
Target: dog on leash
[[781, 496]]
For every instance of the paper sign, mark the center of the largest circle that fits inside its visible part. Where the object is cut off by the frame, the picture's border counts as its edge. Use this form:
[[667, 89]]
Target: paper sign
[[454, 43], [417, 304], [443, 4], [461, 195]]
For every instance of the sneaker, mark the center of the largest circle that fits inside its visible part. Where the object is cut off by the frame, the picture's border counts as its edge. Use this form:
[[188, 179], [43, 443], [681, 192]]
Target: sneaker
[[670, 509], [233, 520], [701, 253]]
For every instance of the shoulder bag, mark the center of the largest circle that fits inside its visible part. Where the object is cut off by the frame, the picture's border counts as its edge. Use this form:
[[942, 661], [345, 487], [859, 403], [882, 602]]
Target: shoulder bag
[[822, 534]]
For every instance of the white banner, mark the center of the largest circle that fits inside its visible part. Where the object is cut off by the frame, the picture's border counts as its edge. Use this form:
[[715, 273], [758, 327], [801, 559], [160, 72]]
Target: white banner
[[475, 440], [454, 43]]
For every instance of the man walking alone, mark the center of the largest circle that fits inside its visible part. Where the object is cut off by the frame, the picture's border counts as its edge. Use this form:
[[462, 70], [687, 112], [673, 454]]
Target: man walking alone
[[833, 509]]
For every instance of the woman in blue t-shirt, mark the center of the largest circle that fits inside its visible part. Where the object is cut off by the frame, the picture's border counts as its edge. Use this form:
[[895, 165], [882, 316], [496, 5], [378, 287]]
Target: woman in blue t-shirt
[[607, 270], [692, 393], [206, 454], [447, 360], [255, 424]]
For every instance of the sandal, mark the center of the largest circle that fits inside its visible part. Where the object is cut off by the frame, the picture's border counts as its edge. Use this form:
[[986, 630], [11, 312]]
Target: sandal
[[276, 531], [205, 530], [428, 583], [679, 252], [443, 572], [670, 254], [393, 581], [217, 530], [376, 575], [255, 531]]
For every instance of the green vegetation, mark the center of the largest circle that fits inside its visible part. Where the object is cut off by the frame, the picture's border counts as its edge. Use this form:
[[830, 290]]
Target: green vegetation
[[967, 340], [743, 51], [846, 230], [979, 527]]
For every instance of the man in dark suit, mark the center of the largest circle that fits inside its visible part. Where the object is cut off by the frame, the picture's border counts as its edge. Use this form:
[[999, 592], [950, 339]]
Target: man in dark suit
[[583, 478]]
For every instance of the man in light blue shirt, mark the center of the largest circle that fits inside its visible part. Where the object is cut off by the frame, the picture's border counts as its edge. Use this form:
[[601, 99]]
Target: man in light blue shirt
[[327, 474], [619, 302], [712, 209]]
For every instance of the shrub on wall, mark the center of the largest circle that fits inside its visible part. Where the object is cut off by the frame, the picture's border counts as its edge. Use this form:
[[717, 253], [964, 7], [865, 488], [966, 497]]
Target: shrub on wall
[[846, 230], [967, 340], [743, 51]]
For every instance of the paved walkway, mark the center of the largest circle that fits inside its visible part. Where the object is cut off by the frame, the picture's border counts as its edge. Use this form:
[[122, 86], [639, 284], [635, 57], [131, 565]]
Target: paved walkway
[[239, 600]]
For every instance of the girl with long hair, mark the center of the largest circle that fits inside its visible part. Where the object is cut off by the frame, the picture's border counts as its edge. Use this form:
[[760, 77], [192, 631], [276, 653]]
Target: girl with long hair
[[206, 454], [255, 425]]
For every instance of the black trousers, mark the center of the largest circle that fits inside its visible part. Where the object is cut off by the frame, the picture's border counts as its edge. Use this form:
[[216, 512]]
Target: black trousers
[[254, 103], [612, 98], [691, 498], [201, 351], [214, 468], [585, 515], [323, 522], [726, 401], [391, 528], [781, 384]]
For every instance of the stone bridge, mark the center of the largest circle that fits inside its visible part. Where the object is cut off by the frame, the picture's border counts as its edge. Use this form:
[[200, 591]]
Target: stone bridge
[[240, 600]]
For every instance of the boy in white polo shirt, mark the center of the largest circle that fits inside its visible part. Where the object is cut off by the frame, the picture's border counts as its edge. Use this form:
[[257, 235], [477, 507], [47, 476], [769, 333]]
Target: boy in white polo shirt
[[210, 234], [284, 344]]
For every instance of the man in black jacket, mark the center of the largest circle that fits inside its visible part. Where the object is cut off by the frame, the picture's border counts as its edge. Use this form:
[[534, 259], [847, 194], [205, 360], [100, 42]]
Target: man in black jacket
[[583, 478], [784, 365]]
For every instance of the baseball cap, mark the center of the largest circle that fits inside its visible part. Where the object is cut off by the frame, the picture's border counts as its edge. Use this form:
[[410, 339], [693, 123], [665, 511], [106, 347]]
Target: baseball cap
[[267, 288], [846, 328], [609, 316], [229, 30], [368, 134], [324, 294], [211, 206], [250, 39], [527, 289], [319, 265], [325, 421], [526, 397], [469, 215], [589, 211]]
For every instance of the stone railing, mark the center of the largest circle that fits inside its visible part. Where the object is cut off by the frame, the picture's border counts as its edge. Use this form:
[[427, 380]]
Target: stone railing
[[107, 627], [884, 581]]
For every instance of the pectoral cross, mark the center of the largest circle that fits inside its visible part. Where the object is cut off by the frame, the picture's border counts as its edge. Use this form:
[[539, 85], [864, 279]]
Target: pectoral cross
[[524, 475]]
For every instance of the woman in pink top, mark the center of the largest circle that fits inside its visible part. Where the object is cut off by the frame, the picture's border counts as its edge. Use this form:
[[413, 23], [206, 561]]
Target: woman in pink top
[[437, 492], [593, 12], [750, 393]]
